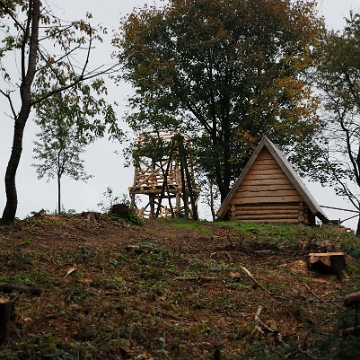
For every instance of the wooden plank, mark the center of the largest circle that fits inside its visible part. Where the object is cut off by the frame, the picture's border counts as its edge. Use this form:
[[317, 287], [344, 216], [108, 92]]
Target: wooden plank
[[254, 212], [264, 167], [267, 179], [268, 199], [266, 217], [265, 190], [266, 193], [265, 154], [266, 175], [269, 207], [270, 182], [271, 187], [260, 171], [273, 221]]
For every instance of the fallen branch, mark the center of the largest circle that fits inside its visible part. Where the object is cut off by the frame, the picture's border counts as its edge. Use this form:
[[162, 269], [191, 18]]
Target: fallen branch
[[349, 331], [261, 328], [312, 293], [8, 288], [171, 316], [257, 329], [195, 278], [352, 299], [256, 283]]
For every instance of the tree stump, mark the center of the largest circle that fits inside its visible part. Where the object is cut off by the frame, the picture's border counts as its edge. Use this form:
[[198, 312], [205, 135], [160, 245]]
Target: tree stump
[[328, 263], [5, 315], [352, 299]]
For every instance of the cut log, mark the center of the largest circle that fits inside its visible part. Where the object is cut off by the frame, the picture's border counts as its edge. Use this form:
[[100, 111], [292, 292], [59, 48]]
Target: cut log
[[8, 288], [328, 263], [5, 315], [352, 299]]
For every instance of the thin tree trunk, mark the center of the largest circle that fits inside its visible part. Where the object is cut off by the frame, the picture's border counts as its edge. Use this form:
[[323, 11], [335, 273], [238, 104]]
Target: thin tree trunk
[[28, 70], [10, 185], [358, 228], [59, 193]]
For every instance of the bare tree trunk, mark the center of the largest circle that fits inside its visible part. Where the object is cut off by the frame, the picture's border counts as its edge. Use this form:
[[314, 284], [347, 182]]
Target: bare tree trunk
[[358, 228], [213, 213], [28, 70], [59, 193], [10, 185]]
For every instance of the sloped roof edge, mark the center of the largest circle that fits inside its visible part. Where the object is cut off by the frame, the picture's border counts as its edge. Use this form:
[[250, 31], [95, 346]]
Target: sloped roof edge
[[289, 172]]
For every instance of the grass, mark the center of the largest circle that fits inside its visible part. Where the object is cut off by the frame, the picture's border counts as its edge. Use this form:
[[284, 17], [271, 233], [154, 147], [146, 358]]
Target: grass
[[149, 301]]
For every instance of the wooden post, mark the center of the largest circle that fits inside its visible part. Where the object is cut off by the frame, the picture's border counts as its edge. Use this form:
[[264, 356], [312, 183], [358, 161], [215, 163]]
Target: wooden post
[[5, 314]]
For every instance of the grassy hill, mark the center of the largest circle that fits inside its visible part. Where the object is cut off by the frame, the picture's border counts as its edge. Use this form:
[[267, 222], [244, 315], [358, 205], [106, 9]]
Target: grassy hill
[[174, 289]]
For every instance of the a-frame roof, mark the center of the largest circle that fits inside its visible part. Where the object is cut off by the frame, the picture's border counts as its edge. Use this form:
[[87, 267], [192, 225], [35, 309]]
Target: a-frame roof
[[288, 171]]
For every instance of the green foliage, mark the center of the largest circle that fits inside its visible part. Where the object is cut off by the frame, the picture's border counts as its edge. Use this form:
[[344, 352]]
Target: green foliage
[[118, 209], [226, 73], [339, 81], [49, 67], [60, 143]]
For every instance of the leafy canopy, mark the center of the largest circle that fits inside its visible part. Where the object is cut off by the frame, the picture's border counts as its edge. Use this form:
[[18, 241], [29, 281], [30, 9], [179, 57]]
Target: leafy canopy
[[60, 143], [339, 80], [51, 56], [225, 72]]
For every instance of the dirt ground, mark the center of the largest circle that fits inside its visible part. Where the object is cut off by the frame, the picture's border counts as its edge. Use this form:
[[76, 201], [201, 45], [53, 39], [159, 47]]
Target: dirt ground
[[69, 233], [205, 300]]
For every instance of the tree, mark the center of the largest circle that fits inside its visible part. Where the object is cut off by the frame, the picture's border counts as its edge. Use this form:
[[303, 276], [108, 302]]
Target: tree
[[60, 144], [339, 79], [226, 73], [29, 29]]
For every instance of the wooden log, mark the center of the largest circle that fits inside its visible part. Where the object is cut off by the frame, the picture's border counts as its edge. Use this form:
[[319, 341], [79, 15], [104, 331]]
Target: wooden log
[[266, 216], [268, 177], [268, 170], [265, 191], [272, 221], [267, 207], [266, 199], [261, 211], [275, 181], [352, 299], [261, 187], [5, 315], [328, 263], [8, 288]]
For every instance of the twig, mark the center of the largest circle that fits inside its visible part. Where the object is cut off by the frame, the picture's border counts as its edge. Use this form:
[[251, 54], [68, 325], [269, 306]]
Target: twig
[[195, 278], [312, 293], [256, 283], [166, 314], [260, 328]]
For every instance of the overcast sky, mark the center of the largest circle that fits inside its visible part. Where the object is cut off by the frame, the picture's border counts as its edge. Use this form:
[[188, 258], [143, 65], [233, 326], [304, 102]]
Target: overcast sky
[[101, 160]]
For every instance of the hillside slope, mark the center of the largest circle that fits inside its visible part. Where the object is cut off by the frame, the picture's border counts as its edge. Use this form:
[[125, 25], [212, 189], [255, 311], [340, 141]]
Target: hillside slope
[[172, 290]]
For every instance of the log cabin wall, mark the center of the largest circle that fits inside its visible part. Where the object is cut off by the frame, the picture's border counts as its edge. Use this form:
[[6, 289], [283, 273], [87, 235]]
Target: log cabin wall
[[267, 195]]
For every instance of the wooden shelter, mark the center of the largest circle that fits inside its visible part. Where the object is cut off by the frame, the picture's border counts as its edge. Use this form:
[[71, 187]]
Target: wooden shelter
[[165, 175], [269, 190]]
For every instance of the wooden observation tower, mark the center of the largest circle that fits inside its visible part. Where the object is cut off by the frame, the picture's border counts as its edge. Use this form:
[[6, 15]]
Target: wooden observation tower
[[164, 174]]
